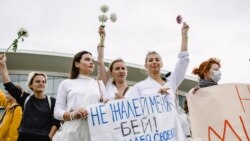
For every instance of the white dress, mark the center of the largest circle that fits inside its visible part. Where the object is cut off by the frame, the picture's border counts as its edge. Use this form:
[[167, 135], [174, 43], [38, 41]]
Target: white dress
[[74, 94]]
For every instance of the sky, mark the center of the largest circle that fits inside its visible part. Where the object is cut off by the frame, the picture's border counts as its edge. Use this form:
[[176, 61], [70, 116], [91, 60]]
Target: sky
[[218, 28]]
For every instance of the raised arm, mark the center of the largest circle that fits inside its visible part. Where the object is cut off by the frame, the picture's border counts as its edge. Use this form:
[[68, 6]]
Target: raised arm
[[102, 72], [184, 41], [178, 74], [12, 89], [4, 70]]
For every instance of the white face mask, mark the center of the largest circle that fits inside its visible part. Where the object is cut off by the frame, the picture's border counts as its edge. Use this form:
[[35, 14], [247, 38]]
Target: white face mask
[[216, 75]]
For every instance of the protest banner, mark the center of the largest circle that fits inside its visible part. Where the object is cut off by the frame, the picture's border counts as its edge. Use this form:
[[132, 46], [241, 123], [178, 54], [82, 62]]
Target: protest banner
[[151, 118], [220, 113]]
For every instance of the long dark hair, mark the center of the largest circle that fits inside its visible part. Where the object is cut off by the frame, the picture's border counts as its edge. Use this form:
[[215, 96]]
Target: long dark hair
[[74, 70]]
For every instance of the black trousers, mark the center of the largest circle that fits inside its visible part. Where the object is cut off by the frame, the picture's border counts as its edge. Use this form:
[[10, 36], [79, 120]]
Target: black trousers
[[32, 137]]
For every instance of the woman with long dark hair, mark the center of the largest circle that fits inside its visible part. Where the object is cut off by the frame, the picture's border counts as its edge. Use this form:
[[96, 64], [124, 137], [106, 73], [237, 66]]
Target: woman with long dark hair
[[74, 94]]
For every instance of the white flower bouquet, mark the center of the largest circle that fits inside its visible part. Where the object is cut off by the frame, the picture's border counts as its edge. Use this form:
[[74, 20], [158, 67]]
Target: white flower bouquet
[[104, 18]]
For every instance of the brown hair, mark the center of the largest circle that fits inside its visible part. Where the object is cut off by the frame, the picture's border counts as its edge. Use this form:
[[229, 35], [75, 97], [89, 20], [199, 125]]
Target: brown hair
[[115, 61], [205, 67], [112, 66], [74, 70], [150, 53]]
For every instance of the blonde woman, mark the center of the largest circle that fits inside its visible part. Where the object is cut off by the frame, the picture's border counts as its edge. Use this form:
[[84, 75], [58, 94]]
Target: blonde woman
[[155, 84], [38, 123]]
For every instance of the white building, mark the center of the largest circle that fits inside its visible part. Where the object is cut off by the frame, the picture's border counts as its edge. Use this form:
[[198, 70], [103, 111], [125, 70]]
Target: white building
[[58, 65]]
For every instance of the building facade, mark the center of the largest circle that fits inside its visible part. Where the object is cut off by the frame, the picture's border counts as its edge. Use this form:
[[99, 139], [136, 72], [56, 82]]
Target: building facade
[[57, 66]]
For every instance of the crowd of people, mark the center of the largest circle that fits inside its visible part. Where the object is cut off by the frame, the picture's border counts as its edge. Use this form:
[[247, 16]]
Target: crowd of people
[[36, 116]]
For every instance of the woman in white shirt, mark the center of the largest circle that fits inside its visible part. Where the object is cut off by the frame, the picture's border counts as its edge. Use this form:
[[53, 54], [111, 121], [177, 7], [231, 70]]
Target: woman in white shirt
[[74, 95], [154, 83], [117, 86]]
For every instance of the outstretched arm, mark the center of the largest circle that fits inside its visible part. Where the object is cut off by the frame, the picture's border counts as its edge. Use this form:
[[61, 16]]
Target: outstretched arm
[[9, 86], [102, 72], [184, 41], [178, 74], [4, 70]]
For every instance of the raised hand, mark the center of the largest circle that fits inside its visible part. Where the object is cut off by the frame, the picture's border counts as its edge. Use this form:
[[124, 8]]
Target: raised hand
[[185, 28], [163, 90], [2, 61], [102, 34]]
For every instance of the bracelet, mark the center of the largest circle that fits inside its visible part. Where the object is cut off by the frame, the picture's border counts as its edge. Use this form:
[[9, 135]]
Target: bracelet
[[100, 45], [72, 116]]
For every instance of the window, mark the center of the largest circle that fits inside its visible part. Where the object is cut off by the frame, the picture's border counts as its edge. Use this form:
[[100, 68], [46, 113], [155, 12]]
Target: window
[[21, 79]]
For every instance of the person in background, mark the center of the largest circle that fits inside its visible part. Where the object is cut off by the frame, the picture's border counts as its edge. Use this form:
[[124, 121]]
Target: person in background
[[74, 94], [11, 118], [117, 86], [38, 122], [208, 72]]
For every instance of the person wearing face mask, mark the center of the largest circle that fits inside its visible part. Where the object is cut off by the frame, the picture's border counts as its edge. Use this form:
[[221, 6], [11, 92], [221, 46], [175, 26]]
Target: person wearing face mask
[[209, 75], [208, 72]]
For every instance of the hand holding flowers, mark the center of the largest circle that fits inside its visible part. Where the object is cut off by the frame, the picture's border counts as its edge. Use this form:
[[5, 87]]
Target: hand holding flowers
[[20, 35], [104, 18]]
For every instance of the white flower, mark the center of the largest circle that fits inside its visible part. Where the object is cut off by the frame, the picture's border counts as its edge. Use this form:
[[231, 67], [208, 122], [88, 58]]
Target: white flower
[[20, 34], [113, 17], [104, 8], [23, 32], [103, 18]]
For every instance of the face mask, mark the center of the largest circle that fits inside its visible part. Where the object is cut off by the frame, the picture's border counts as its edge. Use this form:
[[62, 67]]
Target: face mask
[[216, 75]]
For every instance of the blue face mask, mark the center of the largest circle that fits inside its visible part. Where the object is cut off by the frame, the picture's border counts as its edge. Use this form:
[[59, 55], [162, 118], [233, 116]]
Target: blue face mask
[[216, 75]]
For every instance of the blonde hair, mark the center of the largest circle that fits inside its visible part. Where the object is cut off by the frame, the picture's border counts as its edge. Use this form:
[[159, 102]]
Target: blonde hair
[[150, 53], [32, 76]]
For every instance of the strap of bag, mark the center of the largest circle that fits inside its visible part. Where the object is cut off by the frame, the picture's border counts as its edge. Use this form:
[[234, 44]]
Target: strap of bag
[[125, 90], [2, 116], [49, 101], [101, 98], [13, 109], [26, 100]]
